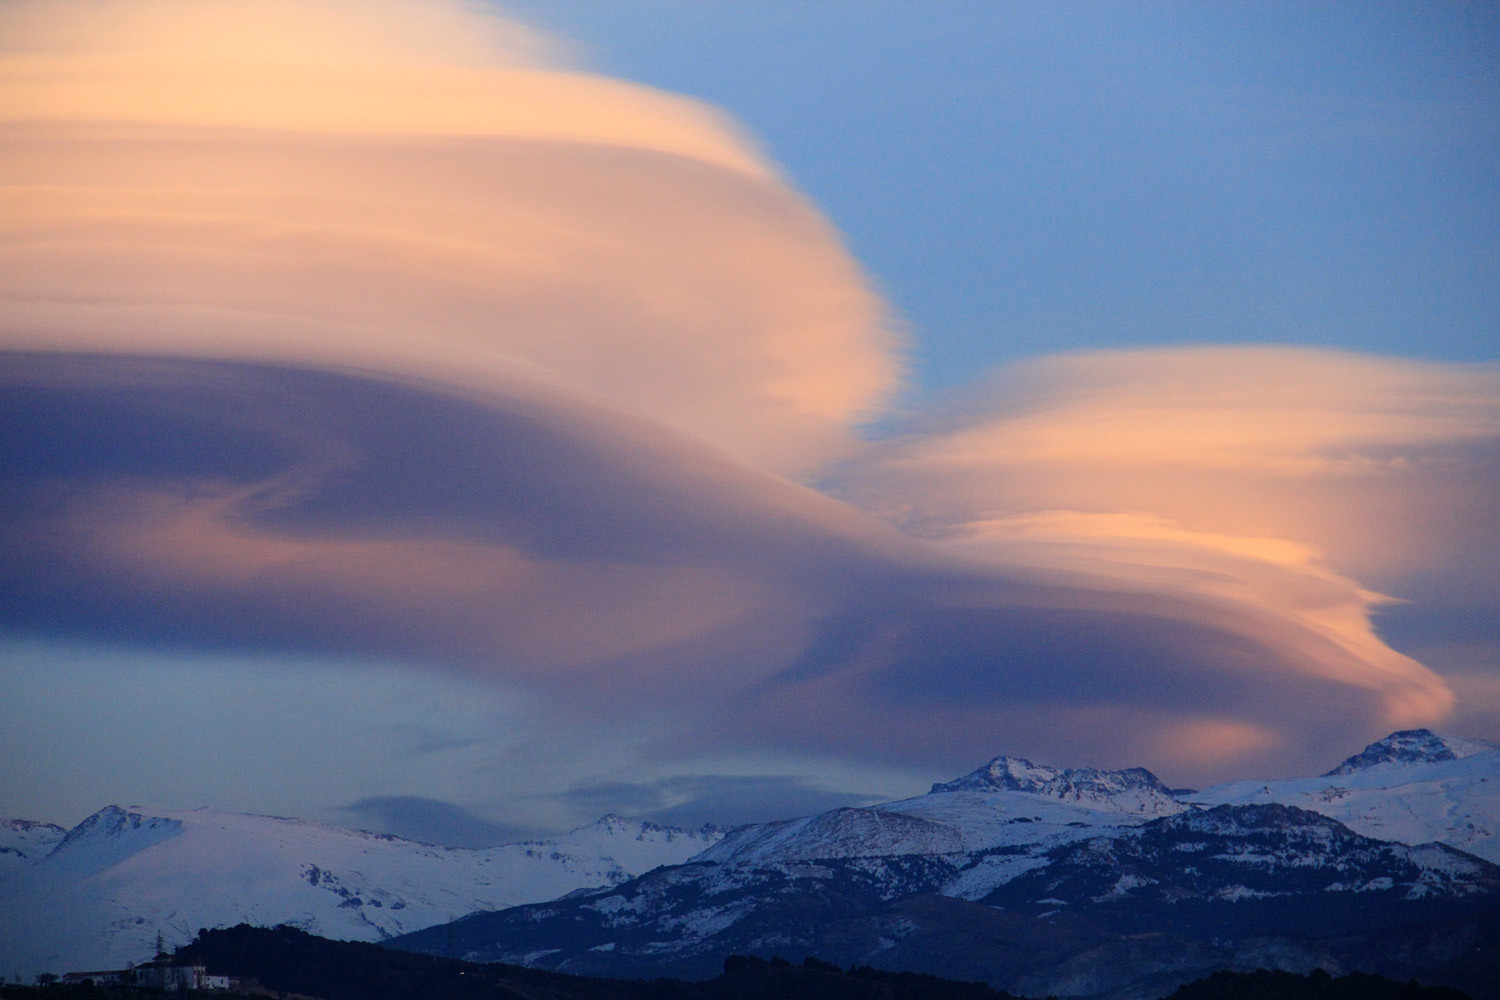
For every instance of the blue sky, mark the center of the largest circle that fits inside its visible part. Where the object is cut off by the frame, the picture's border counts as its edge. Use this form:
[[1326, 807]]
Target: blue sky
[[434, 422], [1027, 178]]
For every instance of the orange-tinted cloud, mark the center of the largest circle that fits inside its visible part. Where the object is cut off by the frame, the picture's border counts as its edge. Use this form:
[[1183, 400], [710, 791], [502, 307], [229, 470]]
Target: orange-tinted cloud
[[382, 67], [374, 187], [369, 327], [1268, 479], [616, 567]]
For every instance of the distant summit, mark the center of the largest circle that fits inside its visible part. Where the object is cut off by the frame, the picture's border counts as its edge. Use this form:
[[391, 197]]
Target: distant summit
[[1132, 788], [24, 842], [1411, 746]]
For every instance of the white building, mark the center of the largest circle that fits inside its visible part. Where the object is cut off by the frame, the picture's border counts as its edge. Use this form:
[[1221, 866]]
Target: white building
[[172, 978]]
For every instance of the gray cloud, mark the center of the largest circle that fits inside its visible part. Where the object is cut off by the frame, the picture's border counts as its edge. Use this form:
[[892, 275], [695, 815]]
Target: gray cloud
[[609, 565], [513, 386], [725, 800], [432, 821], [623, 243]]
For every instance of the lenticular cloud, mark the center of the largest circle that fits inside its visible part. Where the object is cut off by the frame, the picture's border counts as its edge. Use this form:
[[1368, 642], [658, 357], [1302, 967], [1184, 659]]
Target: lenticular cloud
[[375, 328], [378, 189]]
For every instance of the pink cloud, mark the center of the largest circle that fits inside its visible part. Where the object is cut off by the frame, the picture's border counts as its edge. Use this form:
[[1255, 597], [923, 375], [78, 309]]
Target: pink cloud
[[475, 359], [1263, 479], [462, 222]]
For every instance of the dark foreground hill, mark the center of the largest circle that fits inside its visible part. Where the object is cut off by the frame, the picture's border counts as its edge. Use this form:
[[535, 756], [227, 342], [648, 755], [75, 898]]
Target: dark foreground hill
[[1265, 984], [289, 962]]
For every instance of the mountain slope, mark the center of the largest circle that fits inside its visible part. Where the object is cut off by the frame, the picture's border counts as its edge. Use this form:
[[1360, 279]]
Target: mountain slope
[[1414, 786], [23, 842], [1240, 853], [121, 876], [842, 833], [1206, 889], [1075, 882]]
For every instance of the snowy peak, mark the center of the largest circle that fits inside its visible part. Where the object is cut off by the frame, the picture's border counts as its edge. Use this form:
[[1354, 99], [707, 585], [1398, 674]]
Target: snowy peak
[[30, 829], [1411, 746], [611, 825], [842, 833], [1134, 790], [1014, 774], [617, 848], [1413, 786], [113, 822], [617, 826], [24, 842], [110, 836]]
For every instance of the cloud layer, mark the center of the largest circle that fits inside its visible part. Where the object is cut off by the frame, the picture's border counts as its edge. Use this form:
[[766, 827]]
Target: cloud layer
[[503, 368], [619, 242], [619, 567], [1262, 477]]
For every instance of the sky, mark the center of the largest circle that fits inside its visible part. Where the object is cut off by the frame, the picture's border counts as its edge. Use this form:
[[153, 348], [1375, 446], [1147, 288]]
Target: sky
[[461, 420]]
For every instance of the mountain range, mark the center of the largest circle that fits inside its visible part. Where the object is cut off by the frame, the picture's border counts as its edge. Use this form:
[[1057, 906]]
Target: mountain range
[[1076, 882], [1072, 882], [97, 896]]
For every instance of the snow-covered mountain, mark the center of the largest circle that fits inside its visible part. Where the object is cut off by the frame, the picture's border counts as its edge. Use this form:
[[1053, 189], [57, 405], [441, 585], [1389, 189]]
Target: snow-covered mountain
[[1009, 803], [1233, 885], [1246, 852], [1075, 882], [1136, 791], [23, 842], [1411, 746], [1028, 864], [842, 833], [101, 895], [1414, 786]]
